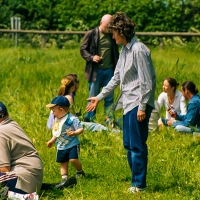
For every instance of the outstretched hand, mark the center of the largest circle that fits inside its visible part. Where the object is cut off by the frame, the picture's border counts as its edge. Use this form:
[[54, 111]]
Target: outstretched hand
[[93, 104]]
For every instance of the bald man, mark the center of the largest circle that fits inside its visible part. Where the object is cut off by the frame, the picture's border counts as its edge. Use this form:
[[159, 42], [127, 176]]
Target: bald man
[[101, 53]]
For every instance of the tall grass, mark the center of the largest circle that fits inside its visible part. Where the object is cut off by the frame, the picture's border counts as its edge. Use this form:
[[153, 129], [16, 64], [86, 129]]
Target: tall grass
[[30, 78]]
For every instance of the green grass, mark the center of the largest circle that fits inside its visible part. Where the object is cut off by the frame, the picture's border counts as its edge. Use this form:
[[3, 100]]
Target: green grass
[[30, 78]]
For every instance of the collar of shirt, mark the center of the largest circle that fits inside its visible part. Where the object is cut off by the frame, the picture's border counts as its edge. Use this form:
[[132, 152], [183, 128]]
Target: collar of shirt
[[130, 44], [194, 98], [57, 125], [5, 121]]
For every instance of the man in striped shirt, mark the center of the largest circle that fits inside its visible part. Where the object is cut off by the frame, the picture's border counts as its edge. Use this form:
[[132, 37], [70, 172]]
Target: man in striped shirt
[[136, 76]]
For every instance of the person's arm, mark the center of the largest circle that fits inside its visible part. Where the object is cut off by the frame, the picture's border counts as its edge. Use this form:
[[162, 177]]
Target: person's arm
[[189, 118], [51, 141], [5, 169], [160, 103], [93, 104], [75, 129], [161, 99], [71, 101], [5, 153], [50, 120], [183, 106], [146, 77], [112, 84], [76, 132], [85, 48]]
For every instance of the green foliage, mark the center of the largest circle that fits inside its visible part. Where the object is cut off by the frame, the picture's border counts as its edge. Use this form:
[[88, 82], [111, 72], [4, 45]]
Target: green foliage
[[82, 15], [30, 78], [150, 15]]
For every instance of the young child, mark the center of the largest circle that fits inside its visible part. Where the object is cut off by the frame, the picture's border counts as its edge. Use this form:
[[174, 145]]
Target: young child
[[65, 130]]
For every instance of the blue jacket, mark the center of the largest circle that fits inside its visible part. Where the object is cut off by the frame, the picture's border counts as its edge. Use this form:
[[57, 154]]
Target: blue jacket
[[192, 117]]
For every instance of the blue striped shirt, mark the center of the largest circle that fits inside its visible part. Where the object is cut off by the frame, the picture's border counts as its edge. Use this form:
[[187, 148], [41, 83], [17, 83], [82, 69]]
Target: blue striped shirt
[[136, 76]]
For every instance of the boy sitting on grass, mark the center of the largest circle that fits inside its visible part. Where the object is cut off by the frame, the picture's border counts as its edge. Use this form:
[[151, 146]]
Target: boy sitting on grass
[[65, 130]]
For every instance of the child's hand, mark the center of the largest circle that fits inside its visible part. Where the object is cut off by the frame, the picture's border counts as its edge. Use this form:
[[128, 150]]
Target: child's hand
[[70, 132], [49, 144]]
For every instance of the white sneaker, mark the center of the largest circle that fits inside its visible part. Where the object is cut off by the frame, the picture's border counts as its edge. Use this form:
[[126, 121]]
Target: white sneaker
[[135, 189]]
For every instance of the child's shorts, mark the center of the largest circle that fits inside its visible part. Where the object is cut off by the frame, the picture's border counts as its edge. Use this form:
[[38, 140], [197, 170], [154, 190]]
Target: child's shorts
[[67, 154]]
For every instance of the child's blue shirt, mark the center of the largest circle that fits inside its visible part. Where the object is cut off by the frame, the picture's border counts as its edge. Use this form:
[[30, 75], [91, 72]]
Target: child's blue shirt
[[64, 141]]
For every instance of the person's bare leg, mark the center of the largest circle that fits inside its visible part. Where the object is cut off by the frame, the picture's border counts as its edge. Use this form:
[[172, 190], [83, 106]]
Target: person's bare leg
[[77, 164], [64, 169]]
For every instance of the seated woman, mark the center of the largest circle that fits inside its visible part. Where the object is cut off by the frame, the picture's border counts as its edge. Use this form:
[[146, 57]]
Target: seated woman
[[189, 122], [171, 98]]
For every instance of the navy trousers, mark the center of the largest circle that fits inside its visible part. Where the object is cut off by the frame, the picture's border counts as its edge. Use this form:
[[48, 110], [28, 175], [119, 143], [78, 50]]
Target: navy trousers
[[135, 135]]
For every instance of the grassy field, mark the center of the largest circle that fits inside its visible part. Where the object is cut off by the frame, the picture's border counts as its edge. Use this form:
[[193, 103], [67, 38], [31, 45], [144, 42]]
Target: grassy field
[[30, 78]]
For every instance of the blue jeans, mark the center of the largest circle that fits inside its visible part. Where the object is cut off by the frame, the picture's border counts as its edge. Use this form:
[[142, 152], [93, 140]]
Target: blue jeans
[[102, 79], [135, 135], [91, 126], [96, 127]]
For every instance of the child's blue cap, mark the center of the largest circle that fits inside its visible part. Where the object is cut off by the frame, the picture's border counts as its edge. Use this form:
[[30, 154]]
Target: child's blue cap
[[59, 101]]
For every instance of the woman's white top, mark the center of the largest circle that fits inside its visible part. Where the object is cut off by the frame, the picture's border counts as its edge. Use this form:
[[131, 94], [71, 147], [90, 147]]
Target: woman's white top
[[179, 104]]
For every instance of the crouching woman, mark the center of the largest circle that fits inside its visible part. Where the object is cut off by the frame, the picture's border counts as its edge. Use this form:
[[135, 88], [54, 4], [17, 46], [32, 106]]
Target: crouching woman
[[21, 169]]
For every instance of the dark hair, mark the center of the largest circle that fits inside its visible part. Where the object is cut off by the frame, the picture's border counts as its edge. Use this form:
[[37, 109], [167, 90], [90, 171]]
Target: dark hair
[[189, 85], [123, 25], [172, 82], [74, 76]]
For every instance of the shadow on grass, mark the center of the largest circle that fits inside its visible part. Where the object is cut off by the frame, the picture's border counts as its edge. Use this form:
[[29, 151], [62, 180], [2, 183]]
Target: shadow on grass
[[174, 187], [91, 176], [51, 193], [161, 188], [52, 189], [125, 179]]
